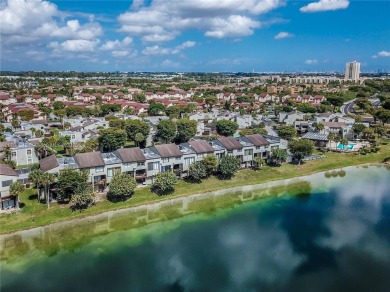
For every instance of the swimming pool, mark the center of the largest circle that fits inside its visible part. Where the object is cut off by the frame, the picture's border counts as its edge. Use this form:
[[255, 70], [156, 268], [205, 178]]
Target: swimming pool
[[345, 147]]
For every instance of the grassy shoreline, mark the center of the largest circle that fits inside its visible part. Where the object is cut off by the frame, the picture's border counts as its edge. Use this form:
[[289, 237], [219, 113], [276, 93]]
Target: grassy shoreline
[[35, 215]]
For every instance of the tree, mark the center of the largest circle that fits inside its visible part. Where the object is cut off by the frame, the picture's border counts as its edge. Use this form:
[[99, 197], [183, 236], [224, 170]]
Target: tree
[[164, 183], [226, 127], [116, 123], [211, 163], [26, 114], [121, 187], [331, 138], [133, 127], [112, 138], [383, 115], [318, 127], [58, 105], [67, 125], [42, 150], [278, 156], [336, 101], [210, 101], [106, 109], [38, 133], [16, 188], [139, 97], [70, 182], [380, 131], [139, 138], [368, 133], [228, 166], [197, 171], [358, 128], [7, 153], [344, 142], [156, 109], [286, 132], [47, 179], [186, 129], [166, 130], [259, 162], [35, 177], [301, 148], [83, 200]]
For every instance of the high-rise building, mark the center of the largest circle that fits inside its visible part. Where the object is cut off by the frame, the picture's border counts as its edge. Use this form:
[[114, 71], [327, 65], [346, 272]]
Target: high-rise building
[[352, 71]]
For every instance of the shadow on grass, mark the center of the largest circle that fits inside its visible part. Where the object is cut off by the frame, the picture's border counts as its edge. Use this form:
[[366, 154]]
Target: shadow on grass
[[33, 197]]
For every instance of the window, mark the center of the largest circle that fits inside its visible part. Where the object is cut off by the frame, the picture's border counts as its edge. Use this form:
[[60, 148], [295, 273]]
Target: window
[[6, 183], [153, 165], [178, 158], [28, 152], [257, 147], [99, 169], [127, 165], [248, 152], [141, 163], [239, 150], [165, 160], [200, 155], [13, 154], [110, 172], [189, 160]]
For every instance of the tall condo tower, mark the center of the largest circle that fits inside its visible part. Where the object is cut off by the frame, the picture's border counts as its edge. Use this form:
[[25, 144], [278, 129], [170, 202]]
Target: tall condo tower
[[352, 71]]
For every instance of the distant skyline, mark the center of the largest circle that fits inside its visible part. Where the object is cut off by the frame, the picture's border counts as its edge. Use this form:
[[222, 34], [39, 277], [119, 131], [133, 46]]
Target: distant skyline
[[194, 35]]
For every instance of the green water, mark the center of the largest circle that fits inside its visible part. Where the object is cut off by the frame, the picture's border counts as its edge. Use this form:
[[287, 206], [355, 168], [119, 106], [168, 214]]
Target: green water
[[327, 233]]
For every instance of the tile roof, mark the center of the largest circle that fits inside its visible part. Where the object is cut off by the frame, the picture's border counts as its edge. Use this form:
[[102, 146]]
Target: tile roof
[[90, 159], [230, 143], [201, 146], [168, 150], [48, 163], [7, 170], [130, 154], [257, 140]]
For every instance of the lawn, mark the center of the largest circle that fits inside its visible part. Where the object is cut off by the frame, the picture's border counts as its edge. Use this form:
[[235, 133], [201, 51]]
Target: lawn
[[33, 214]]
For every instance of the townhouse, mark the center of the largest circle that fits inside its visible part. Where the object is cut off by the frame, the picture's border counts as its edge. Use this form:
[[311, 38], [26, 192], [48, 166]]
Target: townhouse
[[8, 176]]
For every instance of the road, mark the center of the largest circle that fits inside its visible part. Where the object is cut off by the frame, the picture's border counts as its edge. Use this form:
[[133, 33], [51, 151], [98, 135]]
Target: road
[[347, 108]]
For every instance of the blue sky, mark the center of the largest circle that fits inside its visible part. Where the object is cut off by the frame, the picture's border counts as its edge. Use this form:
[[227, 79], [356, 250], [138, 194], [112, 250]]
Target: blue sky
[[194, 35]]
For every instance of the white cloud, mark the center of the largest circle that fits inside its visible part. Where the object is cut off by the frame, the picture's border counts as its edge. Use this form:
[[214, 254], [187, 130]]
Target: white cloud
[[27, 20], [311, 62], [283, 35], [157, 50], [325, 5], [384, 54], [165, 20], [74, 46], [117, 44], [381, 54]]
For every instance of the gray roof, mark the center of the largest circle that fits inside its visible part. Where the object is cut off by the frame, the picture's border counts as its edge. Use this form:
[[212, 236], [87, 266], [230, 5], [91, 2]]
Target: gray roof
[[168, 150], [201, 146], [90, 159], [257, 140], [111, 158], [230, 143], [48, 163], [130, 154], [7, 170], [315, 136]]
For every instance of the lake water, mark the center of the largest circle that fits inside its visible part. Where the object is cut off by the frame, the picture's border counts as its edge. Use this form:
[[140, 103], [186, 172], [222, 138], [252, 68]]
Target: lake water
[[328, 232]]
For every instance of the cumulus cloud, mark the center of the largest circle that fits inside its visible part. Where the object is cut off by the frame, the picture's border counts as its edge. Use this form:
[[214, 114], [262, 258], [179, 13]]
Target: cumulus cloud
[[157, 50], [27, 20], [283, 35], [117, 44], [325, 5], [164, 20], [381, 54], [311, 62], [75, 45]]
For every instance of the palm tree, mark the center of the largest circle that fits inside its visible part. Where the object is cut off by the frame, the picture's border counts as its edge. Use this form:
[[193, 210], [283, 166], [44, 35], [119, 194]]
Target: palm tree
[[344, 142], [33, 130], [7, 153], [331, 138], [47, 179], [337, 139], [35, 178], [16, 188]]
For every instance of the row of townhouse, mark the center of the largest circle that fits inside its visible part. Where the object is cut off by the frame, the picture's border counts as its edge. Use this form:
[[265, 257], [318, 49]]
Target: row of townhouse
[[22, 152], [7, 99], [172, 94], [9, 111], [261, 98], [314, 100], [144, 164]]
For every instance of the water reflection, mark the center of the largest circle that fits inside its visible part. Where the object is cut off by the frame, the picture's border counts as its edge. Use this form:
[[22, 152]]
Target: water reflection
[[337, 239]]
